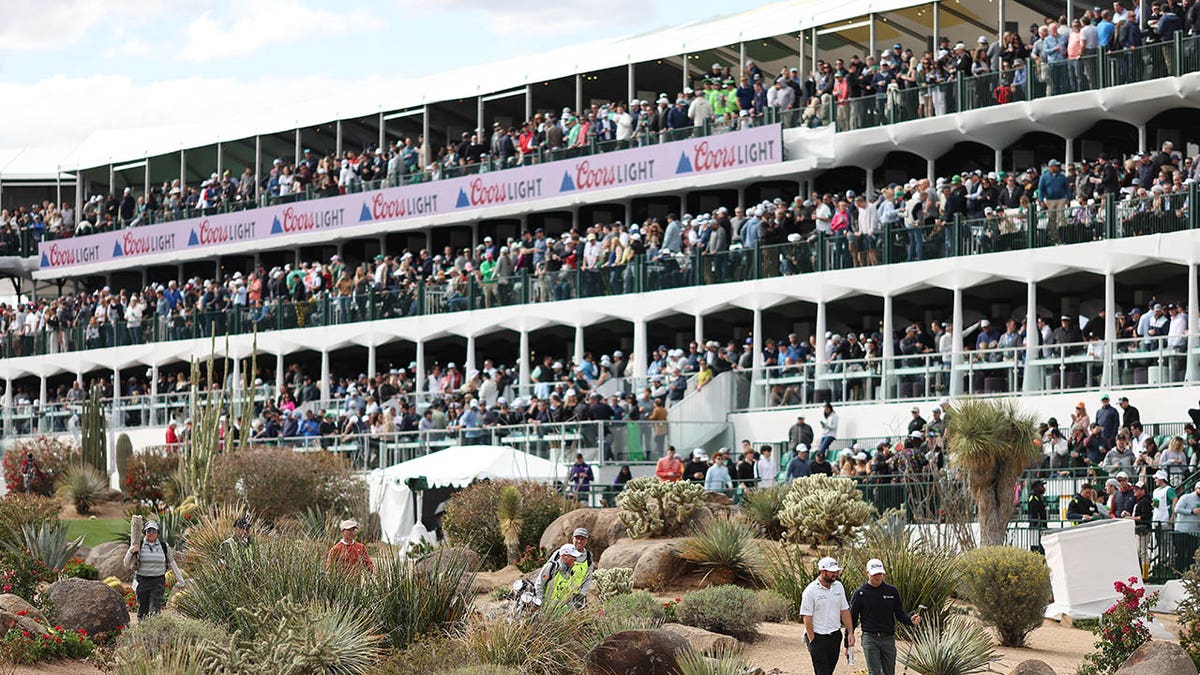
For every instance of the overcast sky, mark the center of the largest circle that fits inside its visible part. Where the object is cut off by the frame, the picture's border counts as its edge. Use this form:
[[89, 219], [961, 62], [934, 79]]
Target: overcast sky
[[69, 67]]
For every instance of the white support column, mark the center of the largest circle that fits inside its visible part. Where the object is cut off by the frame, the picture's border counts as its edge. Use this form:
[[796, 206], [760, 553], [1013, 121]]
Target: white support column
[[639, 348], [469, 361], [382, 142], [1000, 22], [114, 420], [182, 177], [1142, 138], [278, 372], [871, 46], [78, 196], [937, 23], [325, 392], [480, 127], [257, 162], [800, 58], [1108, 376], [741, 59], [1069, 151], [43, 394], [372, 365], [337, 143], [1193, 329], [419, 376], [529, 102], [870, 191], [1033, 338], [579, 345], [220, 158], [523, 379], [930, 170], [8, 405], [999, 164], [757, 394], [145, 181], [235, 379], [888, 348], [822, 357], [698, 332], [578, 93], [813, 42], [630, 86], [154, 394], [426, 150], [956, 354], [296, 149]]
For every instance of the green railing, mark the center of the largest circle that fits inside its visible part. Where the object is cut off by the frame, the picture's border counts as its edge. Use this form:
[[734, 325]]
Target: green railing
[[1017, 229], [1105, 68]]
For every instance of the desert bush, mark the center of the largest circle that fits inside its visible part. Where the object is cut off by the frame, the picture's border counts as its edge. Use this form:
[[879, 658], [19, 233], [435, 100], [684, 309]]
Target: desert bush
[[730, 610], [726, 549], [148, 475], [924, 574], [821, 510], [1009, 588], [761, 507], [208, 527], [275, 482], [17, 510], [165, 633], [434, 655], [607, 583], [958, 647], [50, 455], [470, 517], [397, 599], [650, 508], [772, 606], [539, 643], [21, 574], [78, 569], [723, 662], [638, 605], [1189, 611], [84, 486]]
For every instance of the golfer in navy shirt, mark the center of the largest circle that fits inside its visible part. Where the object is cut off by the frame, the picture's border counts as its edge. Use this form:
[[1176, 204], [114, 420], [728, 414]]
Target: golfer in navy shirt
[[876, 607]]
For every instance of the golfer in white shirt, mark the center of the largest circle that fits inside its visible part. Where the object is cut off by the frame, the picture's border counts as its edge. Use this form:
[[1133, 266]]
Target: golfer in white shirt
[[825, 611]]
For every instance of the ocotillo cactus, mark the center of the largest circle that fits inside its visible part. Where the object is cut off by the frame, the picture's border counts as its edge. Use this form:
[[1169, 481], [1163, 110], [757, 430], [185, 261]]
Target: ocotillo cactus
[[92, 441], [205, 442]]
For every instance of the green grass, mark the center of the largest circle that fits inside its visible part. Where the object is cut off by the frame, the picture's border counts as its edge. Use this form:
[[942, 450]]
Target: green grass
[[96, 532]]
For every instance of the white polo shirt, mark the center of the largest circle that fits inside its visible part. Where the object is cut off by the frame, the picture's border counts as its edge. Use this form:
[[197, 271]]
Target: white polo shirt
[[824, 605]]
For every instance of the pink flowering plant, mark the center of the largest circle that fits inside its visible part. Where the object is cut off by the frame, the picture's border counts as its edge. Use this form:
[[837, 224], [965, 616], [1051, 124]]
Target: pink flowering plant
[[1122, 629]]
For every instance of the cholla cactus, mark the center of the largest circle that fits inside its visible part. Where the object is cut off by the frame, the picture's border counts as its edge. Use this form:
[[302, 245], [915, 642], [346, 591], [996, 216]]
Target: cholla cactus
[[821, 510], [650, 508], [610, 582]]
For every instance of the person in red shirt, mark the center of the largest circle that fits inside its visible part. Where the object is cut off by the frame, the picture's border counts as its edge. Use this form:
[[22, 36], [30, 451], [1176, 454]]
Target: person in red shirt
[[350, 554], [669, 468], [172, 436]]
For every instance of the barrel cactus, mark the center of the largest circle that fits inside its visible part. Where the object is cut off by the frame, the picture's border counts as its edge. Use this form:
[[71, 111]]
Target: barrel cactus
[[650, 508]]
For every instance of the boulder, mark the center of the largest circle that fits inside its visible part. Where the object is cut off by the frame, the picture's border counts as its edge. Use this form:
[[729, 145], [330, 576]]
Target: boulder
[[1156, 657], [16, 604], [604, 527], [636, 652], [486, 582], [449, 555], [109, 560], [701, 640], [90, 605], [655, 562], [1032, 667]]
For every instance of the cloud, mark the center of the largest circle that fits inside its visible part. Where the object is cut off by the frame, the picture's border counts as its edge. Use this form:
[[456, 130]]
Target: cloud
[[132, 47], [246, 28], [565, 16], [47, 26]]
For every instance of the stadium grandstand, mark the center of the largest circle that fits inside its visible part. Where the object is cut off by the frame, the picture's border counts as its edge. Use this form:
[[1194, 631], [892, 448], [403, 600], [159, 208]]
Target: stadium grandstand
[[686, 237]]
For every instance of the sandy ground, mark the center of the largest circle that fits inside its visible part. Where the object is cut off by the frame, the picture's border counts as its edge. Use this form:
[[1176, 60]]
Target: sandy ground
[[104, 510]]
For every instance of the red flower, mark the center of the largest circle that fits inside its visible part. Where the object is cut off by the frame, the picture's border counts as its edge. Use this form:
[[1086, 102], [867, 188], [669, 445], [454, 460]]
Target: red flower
[[23, 612]]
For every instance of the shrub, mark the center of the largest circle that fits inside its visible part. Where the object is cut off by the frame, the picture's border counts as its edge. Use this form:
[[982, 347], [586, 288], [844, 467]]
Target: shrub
[[49, 454], [772, 606], [822, 510], [147, 475], [19, 646], [1009, 588], [48, 544], [80, 570], [924, 574], [84, 486], [613, 581], [957, 647], [531, 559], [470, 517], [17, 510], [636, 605], [722, 662], [274, 482], [761, 507], [1122, 629], [165, 633], [730, 610], [650, 508], [21, 573], [434, 655], [539, 643], [725, 547], [1189, 611]]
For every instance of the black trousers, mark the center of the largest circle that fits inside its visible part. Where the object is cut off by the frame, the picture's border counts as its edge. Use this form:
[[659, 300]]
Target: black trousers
[[150, 595], [824, 651]]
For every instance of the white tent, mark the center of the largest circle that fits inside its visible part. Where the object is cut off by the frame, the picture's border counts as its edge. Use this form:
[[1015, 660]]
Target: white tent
[[456, 466]]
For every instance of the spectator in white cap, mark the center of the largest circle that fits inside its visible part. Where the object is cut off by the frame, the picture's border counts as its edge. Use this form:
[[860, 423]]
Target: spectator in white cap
[[1164, 498], [825, 612], [351, 555], [876, 607], [584, 563], [557, 582], [150, 559]]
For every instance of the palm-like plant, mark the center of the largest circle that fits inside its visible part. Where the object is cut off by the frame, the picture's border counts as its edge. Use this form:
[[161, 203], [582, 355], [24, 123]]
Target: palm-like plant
[[508, 517], [84, 485], [957, 647], [725, 547], [991, 440]]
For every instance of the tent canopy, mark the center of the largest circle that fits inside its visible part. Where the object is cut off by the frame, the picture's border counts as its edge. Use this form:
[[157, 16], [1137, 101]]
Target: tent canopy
[[456, 466]]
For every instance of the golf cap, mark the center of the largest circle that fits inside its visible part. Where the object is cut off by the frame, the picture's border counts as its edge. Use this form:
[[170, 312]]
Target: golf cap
[[828, 564], [1122, 474], [1161, 475], [581, 532], [569, 549], [875, 566], [150, 526], [348, 524]]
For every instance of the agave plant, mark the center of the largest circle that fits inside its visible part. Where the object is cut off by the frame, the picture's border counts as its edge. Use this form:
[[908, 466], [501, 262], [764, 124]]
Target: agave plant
[[48, 543], [508, 517], [958, 646], [726, 549], [84, 485]]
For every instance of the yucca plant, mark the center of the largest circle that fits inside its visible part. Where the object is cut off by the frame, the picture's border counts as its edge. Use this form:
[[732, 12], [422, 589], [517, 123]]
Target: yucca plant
[[991, 440], [726, 550], [174, 662], [957, 646], [84, 486], [48, 543], [924, 574], [724, 662], [508, 518], [761, 507], [788, 572]]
